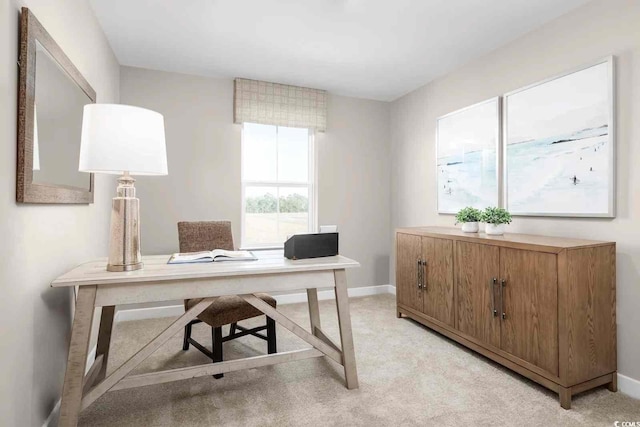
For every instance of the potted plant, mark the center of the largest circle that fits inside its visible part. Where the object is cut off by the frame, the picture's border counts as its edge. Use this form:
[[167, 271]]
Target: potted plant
[[495, 219], [469, 218]]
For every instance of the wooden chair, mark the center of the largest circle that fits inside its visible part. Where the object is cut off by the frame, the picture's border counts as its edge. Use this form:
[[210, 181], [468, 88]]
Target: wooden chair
[[225, 310]]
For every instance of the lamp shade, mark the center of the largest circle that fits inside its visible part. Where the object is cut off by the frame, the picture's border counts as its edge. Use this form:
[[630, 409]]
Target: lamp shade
[[121, 138]]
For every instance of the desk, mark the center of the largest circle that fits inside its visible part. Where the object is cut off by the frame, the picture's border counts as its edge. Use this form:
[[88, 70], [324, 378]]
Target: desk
[[159, 281]]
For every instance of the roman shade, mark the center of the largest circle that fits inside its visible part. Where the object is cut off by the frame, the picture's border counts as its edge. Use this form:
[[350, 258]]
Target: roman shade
[[277, 104]]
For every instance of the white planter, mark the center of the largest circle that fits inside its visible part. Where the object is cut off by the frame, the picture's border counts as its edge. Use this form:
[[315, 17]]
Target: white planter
[[470, 227], [494, 229]]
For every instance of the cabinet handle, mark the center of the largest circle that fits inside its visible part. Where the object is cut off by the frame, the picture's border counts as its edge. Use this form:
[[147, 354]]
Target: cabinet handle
[[503, 283], [420, 274], [424, 274], [492, 284]]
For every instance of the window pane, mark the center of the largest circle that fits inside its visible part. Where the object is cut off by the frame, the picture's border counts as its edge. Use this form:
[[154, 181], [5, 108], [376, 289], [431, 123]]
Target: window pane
[[293, 152], [294, 212], [259, 152], [260, 218]]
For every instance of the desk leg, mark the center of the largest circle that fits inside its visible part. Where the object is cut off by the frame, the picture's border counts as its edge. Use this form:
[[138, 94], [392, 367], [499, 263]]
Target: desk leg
[[314, 311], [104, 338], [346, 338], [77, 360]]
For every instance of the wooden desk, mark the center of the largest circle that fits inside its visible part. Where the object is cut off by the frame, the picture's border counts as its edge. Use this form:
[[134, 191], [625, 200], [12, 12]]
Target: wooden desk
[[159, 281]]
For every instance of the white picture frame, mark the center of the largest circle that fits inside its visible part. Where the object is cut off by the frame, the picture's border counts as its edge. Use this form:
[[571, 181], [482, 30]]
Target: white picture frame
[[468, 157], [558, 126]]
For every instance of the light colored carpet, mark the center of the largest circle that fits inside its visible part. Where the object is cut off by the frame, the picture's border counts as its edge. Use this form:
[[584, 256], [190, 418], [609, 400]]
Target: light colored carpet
[[408, 375]]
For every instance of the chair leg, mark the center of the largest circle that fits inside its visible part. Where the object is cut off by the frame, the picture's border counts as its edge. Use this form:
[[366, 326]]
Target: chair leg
[[271, 336], [232, 329], [187, 335], [216, 341]]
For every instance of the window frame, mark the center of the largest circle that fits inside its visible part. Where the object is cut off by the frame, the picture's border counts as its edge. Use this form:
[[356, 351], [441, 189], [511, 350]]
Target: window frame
[[310, 185]]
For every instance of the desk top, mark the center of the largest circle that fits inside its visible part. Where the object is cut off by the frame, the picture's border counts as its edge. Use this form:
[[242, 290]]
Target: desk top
[[156, 269]]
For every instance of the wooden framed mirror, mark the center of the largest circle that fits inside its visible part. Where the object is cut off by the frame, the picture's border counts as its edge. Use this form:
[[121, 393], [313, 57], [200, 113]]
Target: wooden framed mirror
[[51, 96]]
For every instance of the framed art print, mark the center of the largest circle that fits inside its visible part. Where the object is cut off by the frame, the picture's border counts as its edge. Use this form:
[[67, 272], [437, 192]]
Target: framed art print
[[559, 146], [467, 157]]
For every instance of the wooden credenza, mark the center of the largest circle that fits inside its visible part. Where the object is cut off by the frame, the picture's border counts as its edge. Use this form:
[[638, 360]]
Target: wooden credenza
[[544, 307]]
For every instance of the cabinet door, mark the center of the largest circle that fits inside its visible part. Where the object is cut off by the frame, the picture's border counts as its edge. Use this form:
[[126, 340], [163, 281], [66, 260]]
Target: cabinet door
[[530, 307], [408, 253], [438, 283], [477, 266]]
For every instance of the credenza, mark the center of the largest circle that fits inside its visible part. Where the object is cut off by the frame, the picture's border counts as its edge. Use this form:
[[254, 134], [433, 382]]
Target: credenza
[[544, 307]]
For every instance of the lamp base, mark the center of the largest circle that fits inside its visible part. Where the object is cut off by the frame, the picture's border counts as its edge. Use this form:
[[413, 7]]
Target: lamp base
[[127, 267], [124, 246]]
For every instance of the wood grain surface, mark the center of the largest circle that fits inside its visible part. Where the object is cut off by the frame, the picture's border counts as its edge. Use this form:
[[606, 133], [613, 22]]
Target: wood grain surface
[[510, 240], [438, 283], [409, 251], [589, 304], [156, 269], [530, 302], [31, 30], [476, 267], [72, 389], [558, 300]]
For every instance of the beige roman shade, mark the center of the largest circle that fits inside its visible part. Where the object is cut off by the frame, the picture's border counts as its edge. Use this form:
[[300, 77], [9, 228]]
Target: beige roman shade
[[267, 103]]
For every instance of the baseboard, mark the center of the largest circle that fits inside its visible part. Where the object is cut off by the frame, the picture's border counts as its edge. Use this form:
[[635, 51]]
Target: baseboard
[[329, 294], [178, 309], [90, 358], [54, 416], [629, 386], [149, 313], [626, 385]]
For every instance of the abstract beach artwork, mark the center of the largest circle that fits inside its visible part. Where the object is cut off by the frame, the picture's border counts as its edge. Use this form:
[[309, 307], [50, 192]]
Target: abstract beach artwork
[[467, 157], [559, 155]]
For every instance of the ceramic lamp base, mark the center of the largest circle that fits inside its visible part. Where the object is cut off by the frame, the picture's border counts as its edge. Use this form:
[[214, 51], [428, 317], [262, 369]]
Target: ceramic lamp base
[[124, 246]]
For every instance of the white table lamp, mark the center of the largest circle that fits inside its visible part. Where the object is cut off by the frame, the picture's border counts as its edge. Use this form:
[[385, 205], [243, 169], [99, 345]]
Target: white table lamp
[[123, 140]]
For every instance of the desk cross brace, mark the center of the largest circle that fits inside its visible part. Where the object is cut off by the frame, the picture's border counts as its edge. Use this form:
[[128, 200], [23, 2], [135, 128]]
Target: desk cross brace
[[95, 383], [120, 378]]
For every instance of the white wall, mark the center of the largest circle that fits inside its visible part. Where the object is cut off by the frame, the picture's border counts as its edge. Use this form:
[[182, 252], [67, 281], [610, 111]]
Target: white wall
[[203, 148], [41, 242], [601, 28]]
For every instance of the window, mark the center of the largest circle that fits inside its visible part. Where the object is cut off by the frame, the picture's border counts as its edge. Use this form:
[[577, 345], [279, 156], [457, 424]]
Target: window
[[278, 192]]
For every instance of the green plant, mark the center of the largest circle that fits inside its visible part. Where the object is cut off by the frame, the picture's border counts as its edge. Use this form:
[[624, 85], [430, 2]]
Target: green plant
[[468, 214], [496, 216]]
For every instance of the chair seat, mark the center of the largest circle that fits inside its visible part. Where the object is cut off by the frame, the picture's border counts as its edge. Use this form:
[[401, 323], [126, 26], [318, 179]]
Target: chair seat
[[230, 309]]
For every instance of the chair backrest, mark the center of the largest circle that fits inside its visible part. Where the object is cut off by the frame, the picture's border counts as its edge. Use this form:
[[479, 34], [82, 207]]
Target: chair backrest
[[199, 236]]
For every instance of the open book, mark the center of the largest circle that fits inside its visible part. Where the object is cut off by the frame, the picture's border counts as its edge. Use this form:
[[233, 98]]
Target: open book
[[211, 256]]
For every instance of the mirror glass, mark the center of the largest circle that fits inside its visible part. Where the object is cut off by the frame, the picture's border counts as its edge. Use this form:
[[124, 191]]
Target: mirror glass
[[59, 103]]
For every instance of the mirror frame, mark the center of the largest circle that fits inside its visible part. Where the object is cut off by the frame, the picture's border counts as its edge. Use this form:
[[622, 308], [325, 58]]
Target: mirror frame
[[26, 190]]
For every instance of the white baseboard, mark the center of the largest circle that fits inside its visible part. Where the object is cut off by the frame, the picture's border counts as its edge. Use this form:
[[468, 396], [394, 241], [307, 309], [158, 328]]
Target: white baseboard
[[54, 416], [329, 294], [55, 412], [626, 385], [90, 358], [178, 309], [149, 313], [629, 386]]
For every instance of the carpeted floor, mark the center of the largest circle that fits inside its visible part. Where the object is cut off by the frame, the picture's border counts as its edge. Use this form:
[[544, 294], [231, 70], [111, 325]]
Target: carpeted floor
[[408, 375]]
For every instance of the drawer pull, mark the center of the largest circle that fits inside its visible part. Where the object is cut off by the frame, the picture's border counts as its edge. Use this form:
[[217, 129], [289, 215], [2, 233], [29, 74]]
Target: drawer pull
[[503, 283], [492, 284], [424, 274]]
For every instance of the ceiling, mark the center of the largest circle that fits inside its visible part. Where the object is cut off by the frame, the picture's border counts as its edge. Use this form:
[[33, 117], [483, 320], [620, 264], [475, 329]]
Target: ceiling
[[376, 49]]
